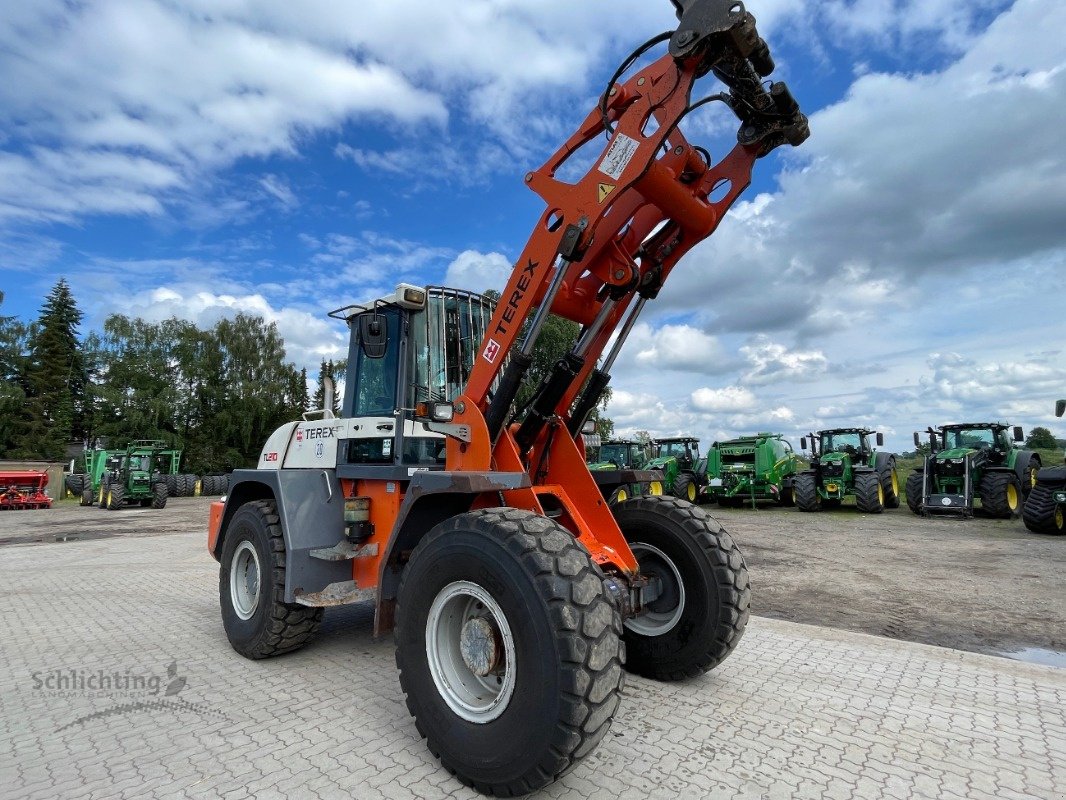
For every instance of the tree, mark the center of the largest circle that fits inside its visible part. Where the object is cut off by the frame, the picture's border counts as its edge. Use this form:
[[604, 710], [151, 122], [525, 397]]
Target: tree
[[14, 346], [1041, 438], [55, 380]]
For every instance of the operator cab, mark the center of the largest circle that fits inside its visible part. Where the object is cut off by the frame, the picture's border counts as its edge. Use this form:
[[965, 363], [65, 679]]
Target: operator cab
[[687, 451], [416, 346]]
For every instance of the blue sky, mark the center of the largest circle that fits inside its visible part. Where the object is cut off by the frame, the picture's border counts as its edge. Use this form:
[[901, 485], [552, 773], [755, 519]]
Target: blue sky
[[903, 268]]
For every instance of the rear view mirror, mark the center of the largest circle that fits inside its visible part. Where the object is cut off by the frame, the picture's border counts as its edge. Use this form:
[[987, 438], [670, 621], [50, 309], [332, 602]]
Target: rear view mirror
[[917, 439], [880, 440], [1060, 408], [373, 335], [1019, 434]]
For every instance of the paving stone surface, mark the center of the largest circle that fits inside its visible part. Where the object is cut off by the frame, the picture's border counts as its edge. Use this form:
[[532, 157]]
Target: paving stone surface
[[797, 712]]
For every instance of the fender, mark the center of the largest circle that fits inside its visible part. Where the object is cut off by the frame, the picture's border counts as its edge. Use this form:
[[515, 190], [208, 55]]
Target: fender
[[882, 460], [311, 509], [1021, 461]]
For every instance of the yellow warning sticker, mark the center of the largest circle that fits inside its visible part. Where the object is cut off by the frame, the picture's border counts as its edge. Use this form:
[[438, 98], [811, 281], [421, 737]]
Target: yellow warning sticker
[[605, 189]]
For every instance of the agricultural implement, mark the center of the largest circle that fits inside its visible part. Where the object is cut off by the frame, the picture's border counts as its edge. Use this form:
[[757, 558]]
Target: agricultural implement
[[477, 529], [1045, 507], [23, 490], [751, 468], [846, 462], [971, 462], [678, 459], [620, 471]]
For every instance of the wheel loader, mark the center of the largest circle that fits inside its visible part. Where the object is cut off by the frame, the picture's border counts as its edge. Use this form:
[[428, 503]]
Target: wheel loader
[[971, 463], [516, 595], [1045, 507], [846, 462]]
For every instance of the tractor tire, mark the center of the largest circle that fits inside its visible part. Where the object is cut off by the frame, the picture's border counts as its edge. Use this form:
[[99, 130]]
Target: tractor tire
[[509, 649], [869, 493], [159, 495], [1029, 473], [621, 494], [251, 587], [193, 482], [172, 485], [685, 487], [700, 614], [1001, 495], [914, 491], [890, 485], [88, 497], [806, 493], [116, 496], [184, 489], [101, 495], [787, 496], [74, 483], [1041, 513]]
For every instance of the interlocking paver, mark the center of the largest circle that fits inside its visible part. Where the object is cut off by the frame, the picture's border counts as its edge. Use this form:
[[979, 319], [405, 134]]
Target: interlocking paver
[[796, 712]]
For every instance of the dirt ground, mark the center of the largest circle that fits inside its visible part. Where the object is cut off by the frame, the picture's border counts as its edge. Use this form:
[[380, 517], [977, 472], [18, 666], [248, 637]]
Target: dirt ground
[[982, 585]]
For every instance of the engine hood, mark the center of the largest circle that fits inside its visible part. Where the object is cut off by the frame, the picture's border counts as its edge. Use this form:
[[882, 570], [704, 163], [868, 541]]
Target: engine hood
[[955, 452]]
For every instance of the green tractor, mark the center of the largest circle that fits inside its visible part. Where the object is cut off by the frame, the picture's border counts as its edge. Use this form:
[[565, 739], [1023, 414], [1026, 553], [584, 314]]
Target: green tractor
[[750, 468], [136, 475], [970, 462], [678, 459], [619, 471], [845, 461], [1045, 507]]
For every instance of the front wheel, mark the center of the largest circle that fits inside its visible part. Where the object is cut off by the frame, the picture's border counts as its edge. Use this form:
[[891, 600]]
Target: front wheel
[[87, 496], [890, 485], [805, 491], [508, 647], [159, 495], [1041, 513], [869, 493], [697, 599], [1001, 494], [116, 496], [251, 587], [685, 487], [914, 489]]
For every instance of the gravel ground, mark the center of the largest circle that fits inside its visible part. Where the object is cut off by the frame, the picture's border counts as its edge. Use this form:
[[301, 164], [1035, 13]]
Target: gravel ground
[[981, 585]]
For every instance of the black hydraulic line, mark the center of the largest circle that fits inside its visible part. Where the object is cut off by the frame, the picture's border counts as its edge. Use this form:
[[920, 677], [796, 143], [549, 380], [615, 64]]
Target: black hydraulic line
[[590, 398], [548, 395], [500, 405]]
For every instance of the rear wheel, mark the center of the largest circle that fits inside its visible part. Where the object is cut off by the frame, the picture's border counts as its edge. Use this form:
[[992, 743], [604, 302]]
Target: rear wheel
[[806, 492], [251, 587], [1041, 513], [1001, 494], [685, 487], [508, 647], [1029, 474], [869, 493], [159, 495], [915, 482], [172, 485], [87, 496], [890, 485], [74, 483], [697, 599], [620, 495], [787, 495]]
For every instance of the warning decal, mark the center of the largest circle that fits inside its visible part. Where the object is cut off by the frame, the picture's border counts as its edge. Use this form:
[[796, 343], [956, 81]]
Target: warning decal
[[605, 189], [619, 154]]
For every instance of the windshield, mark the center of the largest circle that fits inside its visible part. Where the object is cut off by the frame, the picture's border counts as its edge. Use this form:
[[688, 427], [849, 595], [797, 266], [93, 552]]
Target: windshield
[[444, 340], [841, 442], [679, 448], [618, 453], [970, 438]]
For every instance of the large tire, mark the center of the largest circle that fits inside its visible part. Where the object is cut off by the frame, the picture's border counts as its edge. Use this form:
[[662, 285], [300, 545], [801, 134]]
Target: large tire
[[869, 493], [890, 484], [88, 497], [1029, 473], [159, 495], [806, 492], [172, 485], [701, 613], [620, 495], [74, 483], [251, 587], [1041, 513], [914, 491], [116, 496], [1001, 494], [541, 601], [787, 495], [685, 487]]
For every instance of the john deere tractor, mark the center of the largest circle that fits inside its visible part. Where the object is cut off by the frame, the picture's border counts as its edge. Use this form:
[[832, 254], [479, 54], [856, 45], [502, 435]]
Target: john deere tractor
[[846, 461], [759, 467], [1045, 507], [678, 458], [619, 471], [970, 462], [134, 477]]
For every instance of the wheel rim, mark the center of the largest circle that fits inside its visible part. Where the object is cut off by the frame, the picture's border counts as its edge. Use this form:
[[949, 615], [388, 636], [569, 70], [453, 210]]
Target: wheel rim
[[622, 496], [1059, 518], [895, 484], [664, 610], [1032, 478], [245, 580], [471, 652], [655, 488], [880, 494], [1012, 496], [690, 491]]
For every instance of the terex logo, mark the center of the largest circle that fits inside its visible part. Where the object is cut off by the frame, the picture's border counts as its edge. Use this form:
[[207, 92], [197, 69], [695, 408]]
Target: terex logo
[[299, 435], [492, 349], [320, 433], [510, 311]]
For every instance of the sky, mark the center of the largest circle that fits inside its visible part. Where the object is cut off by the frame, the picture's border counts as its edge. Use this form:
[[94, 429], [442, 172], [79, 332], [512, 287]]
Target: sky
[[904, 267]]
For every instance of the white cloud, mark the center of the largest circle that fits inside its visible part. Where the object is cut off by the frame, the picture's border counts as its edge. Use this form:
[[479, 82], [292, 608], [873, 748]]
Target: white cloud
[[681, 348], [730, 399], [773, 363], [478, 271]]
